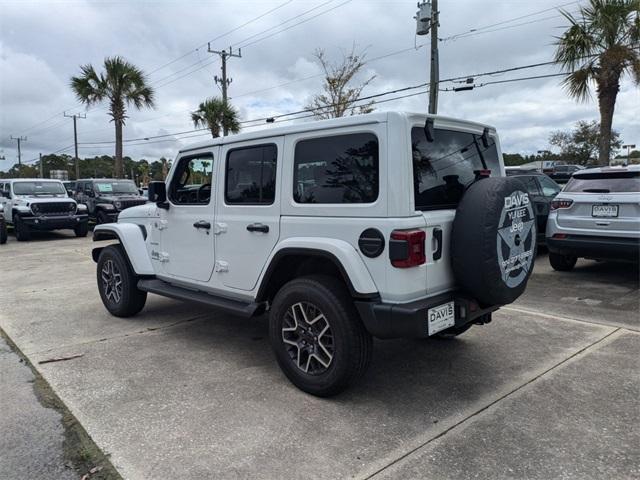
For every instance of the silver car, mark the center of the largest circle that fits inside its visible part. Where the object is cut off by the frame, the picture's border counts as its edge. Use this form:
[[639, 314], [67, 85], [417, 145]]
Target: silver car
[[597, 215]]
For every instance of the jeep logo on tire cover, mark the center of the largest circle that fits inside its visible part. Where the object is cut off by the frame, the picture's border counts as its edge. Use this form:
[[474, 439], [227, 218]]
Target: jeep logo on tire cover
[[516, 238]]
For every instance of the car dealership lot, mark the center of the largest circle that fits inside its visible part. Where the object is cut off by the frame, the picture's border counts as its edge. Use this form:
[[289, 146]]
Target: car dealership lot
[[549, 389]]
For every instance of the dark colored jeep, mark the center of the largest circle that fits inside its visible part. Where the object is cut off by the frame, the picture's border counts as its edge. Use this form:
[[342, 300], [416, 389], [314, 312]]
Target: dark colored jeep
[[105, 198]]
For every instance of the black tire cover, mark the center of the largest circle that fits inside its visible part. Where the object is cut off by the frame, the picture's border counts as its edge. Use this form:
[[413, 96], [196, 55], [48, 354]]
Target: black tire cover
[[493, 240]]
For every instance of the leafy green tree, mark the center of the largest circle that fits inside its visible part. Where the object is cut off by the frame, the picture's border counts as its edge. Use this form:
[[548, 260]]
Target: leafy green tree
[[217, 116], [582, 144], [122, 84], [600, 47]]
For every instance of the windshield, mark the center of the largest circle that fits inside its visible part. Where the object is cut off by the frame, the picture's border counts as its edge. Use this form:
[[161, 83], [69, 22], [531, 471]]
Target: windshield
[[116, 186], [620, 182], [39, 188], [442, 169]]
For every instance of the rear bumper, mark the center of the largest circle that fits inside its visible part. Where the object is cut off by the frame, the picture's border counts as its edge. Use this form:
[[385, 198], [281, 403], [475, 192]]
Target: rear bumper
[[54, 222], [615, 248], [409, 320]]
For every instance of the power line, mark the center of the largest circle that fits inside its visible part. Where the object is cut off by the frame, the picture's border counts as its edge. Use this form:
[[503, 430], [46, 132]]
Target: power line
[[368, 97], [515, 19], [240, 42], [294, 25], [222, 35], [374, 59]]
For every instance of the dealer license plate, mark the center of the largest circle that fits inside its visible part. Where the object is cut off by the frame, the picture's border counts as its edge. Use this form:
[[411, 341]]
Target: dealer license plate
[[441, 317], [604, 211]]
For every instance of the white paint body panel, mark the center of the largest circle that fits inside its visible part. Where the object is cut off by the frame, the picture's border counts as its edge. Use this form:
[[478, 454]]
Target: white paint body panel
[[240, 260], [134, 244]]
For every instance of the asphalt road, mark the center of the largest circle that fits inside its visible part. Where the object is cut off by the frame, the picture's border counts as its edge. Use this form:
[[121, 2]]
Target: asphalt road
[[549, 389]]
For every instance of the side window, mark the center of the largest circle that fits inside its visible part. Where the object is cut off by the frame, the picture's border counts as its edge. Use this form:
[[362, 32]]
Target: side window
[[337, 169], [88, 187], [191, 182], [250, 176], [531, 185], [549, 187]]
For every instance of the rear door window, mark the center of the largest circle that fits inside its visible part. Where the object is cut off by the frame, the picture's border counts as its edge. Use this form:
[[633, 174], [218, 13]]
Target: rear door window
[[337, 169], [442, 169], [615, 182], [251, 175]]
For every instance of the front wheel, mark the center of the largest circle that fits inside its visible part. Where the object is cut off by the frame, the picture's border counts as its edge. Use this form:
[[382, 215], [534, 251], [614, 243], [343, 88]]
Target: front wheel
[[23, 233], [117, 283], [316, 333], [81, 229], [3, 232], [562, 263], [102, 217]]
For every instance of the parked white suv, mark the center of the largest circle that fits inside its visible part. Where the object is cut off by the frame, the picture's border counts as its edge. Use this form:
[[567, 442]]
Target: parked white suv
[[386, 225], [40, 204], [597, 215]]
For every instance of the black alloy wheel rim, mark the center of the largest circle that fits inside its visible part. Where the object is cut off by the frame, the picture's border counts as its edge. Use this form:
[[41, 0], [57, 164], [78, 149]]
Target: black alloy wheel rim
[[308, 338]]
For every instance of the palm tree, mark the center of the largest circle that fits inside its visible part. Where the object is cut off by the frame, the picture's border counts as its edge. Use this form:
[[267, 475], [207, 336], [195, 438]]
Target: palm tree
[[122, 84], [600, 47], [216, 115]]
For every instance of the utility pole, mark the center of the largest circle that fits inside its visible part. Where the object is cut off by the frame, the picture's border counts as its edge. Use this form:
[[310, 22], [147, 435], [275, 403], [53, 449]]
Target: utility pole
[[224, 82], [434, 72], [19, 140], [41, 167], [75, 139], [427, 21]]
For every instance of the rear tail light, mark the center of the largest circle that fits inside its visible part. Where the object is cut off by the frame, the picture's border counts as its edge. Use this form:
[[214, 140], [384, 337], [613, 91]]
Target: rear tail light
[[556, 204], [560, 236], [407, 248]]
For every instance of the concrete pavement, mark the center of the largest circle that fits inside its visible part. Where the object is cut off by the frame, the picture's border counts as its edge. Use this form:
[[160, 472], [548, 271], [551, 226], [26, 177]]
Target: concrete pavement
[[182, 392]]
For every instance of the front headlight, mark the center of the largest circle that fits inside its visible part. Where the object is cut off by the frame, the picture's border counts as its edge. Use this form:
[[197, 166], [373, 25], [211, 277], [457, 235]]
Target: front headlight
[[118, 205], [82, 207]]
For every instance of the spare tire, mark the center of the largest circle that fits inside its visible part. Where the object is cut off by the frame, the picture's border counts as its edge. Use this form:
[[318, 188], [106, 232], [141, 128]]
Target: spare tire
[[493, 240]]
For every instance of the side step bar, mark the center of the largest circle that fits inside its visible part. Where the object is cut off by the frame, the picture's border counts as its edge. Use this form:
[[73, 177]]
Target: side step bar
[[235, 307]]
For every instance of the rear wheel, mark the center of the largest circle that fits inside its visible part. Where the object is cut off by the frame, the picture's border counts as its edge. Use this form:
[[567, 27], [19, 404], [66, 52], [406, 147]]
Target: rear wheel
[[117, 283], [562, 263], [81, 229], [3, 232], [319, 340], [22, 230]]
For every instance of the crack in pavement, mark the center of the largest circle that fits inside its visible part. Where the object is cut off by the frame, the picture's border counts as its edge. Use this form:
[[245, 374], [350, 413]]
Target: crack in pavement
[[480, 411], [115, 337]]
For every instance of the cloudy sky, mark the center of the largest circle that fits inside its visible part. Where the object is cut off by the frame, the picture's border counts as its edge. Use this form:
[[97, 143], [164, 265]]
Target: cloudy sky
[[43, 43]]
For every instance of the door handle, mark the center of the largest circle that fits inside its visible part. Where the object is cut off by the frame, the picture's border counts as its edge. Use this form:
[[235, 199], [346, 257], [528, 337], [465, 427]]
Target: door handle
[[202, 224], [258, 227], [437, 234]]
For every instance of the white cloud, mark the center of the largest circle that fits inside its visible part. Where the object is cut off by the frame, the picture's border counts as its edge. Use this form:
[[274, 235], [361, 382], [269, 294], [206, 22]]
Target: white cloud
[[42, 44]]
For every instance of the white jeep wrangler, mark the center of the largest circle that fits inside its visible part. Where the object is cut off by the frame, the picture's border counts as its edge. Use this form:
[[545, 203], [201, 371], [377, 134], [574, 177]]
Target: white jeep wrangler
[[387, 225], [30, 204]]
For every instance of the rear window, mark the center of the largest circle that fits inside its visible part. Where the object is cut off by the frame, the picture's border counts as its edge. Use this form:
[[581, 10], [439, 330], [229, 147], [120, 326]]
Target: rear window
[[442, 169], [336, 169], [620, 182]]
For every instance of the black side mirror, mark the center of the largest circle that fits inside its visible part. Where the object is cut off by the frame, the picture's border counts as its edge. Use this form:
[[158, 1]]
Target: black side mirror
[[158, 194]]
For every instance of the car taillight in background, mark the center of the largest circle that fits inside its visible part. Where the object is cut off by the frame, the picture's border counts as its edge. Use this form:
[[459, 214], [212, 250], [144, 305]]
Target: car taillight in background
[[407, 248], [556, 204]]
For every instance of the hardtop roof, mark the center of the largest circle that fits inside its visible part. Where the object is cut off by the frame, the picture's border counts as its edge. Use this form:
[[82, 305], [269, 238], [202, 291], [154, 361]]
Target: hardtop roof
[[355, 120]]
